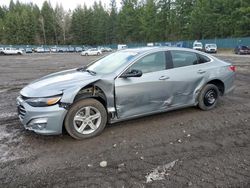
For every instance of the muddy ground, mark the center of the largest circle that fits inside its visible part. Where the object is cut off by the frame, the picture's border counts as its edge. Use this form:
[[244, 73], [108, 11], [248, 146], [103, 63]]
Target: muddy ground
[[208, 149]]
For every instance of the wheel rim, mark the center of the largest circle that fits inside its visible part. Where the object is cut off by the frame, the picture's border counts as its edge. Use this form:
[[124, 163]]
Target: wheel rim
[[210, 97], [87, 120]]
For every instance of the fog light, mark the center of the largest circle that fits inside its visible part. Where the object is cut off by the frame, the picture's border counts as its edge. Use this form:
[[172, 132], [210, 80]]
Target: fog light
[[39, 123]]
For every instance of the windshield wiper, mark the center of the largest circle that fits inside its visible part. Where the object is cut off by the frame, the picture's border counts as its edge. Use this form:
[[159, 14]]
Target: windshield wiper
[[86, 70]]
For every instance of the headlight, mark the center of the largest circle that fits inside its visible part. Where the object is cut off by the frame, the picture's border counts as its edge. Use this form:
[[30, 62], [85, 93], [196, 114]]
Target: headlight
[[42, 102]]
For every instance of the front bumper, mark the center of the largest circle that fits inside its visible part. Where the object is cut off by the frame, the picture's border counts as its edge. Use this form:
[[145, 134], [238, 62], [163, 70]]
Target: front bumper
[[211, 50], [42, 120]]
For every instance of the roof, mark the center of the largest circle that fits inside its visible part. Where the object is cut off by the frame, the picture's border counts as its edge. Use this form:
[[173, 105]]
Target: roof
[[141, 50]]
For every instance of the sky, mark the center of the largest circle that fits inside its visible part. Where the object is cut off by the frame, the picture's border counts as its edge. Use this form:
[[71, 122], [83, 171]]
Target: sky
[[67, 4]]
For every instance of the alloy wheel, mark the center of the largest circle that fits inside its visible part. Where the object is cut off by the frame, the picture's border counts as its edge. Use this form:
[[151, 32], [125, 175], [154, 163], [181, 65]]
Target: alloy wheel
[[87, 120]]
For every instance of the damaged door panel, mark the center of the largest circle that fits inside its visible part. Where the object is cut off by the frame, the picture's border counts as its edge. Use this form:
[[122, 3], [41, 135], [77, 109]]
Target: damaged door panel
[[146, 94]]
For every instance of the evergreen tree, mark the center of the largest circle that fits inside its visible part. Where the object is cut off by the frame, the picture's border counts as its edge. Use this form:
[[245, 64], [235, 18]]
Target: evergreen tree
[[135, 21]]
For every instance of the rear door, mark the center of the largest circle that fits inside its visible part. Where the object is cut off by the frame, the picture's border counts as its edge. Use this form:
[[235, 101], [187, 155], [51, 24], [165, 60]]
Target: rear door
[[186, 76]]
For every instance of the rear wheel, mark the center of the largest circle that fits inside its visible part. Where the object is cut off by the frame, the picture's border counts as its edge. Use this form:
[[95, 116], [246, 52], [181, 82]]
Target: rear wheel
[[98, 53], [86, 118], [208, 97]]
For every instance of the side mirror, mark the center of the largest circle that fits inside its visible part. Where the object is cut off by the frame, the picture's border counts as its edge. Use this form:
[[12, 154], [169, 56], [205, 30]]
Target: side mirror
[[132, 73]]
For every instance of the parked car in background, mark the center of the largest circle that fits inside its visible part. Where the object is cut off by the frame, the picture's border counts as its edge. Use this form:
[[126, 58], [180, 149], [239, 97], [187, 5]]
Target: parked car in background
[[28, 50], [211, 48], [102, 49], [46, 50], [242, 50], [39, 50], [151, 44], [107, 49], [71, 49], [197, 46], [123, 85], [63, 49], [54, 49], [22, 49], [121, 46], [11, 51], [92, 51], [78, 49]]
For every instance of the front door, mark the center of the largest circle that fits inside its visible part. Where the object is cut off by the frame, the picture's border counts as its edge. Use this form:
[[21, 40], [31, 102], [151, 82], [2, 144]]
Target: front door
[[145, 94]]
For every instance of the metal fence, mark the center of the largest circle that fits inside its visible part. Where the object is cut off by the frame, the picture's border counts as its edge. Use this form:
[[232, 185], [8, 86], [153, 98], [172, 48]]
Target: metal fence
[[227, 43]]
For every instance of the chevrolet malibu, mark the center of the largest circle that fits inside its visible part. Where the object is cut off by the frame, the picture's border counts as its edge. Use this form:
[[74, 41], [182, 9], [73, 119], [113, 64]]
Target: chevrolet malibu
[[127, 84]]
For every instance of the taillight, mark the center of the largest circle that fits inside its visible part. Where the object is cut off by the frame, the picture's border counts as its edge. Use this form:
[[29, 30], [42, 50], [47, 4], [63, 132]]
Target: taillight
[[232, 68]]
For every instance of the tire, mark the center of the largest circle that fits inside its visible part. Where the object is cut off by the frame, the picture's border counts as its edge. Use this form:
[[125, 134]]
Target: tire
[[208, 97], [86, 54], [98, 54], [19, 53], [74, 122]]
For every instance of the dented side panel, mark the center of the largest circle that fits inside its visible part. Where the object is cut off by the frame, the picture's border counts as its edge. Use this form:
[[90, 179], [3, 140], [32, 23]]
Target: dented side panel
[[142, 94], [148, 94]]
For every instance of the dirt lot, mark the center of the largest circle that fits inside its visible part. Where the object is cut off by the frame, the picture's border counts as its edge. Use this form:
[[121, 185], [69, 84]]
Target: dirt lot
[[208, 149]]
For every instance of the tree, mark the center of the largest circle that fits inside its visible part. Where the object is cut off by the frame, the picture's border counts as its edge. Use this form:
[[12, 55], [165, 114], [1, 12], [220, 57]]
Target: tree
[[135, 21], [48, 23], [112, 23], [148, 24], [128, 21]]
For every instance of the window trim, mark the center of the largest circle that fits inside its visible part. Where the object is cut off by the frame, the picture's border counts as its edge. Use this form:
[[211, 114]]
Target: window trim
[[197, 55], [140, 57]]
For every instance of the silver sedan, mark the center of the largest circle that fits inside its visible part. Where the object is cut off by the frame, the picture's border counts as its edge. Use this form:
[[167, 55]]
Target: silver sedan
[[126, 84]]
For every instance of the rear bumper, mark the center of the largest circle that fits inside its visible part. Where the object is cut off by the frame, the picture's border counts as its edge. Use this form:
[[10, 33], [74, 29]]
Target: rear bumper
[[42, 120], [229, 84]]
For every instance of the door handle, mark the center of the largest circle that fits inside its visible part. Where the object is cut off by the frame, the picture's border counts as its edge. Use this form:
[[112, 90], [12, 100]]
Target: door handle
[[164, 78], [201, 71]]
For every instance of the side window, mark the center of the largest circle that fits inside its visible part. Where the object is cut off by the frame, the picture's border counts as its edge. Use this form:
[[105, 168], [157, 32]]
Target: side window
[[183, 58], [151, 63], [203, 59]]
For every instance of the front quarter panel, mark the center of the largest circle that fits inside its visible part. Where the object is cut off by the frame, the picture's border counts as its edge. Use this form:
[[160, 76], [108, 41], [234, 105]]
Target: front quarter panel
[[105, 84], [70, 93]]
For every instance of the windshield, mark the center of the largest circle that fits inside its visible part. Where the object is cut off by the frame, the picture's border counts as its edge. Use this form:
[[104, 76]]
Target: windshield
[[244, 48], [197, 45], [111, 62], [212, 45]]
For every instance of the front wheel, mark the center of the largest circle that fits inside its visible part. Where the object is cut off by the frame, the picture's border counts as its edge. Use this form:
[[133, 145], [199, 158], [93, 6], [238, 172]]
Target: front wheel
[[208, 97], [86, 118]]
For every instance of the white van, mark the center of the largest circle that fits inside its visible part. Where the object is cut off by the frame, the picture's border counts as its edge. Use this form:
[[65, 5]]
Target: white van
[[197, 46], [121, 46]]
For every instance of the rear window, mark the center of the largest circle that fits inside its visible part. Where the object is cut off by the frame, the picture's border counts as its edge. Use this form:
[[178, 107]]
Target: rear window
[[203, 59], [183, 58]]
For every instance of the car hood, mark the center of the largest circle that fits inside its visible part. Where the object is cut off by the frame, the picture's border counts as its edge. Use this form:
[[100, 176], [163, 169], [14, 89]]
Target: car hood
[[54, 84]]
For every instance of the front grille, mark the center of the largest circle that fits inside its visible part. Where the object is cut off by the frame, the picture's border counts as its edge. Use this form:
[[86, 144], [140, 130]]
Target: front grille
[[21, 111]]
